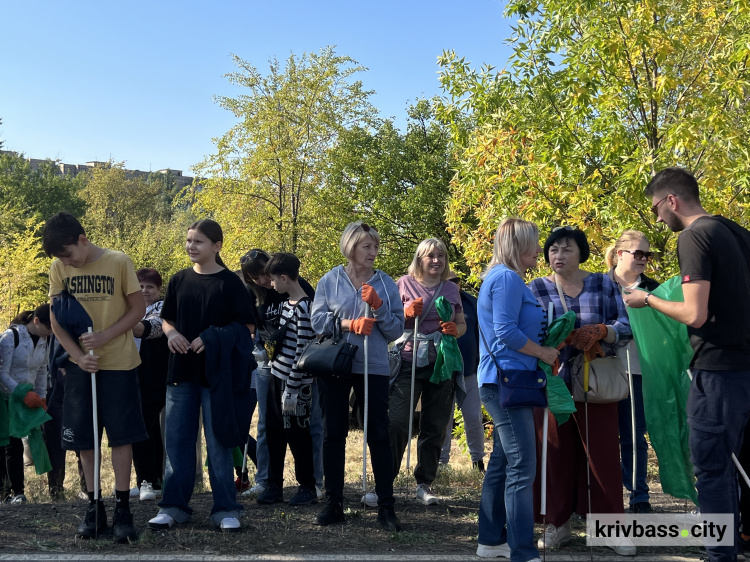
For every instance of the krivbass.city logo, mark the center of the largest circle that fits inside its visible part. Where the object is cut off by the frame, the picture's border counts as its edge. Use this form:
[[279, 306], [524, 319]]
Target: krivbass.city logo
[[663, 529]]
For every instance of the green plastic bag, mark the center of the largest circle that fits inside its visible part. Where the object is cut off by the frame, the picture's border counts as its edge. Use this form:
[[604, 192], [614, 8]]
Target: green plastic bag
[[449, 359], [665, 354], [24, 421], [558, 396]]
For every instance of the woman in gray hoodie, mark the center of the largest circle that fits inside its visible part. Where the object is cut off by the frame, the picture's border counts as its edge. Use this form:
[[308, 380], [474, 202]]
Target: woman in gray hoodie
[[345, 293]]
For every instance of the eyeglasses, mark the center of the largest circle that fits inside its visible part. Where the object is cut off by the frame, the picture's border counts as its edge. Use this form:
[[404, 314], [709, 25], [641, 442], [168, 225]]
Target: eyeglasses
[[655, 208], [564, 228], [640, 254], [251, 255]]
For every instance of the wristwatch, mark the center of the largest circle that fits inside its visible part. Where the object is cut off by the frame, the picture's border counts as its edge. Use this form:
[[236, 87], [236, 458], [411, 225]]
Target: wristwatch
[[645, 301]]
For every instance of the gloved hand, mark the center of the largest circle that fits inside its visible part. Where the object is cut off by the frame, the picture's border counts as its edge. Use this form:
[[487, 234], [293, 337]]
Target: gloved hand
[[449, 329], [33, 400], [586, 336], [556, 367], [370, 296], [414, 308], [362, 326], [289, 403]]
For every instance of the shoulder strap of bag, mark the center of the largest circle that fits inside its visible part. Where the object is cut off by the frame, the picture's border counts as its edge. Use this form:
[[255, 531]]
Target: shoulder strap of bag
[[484, 341], [560, 293]]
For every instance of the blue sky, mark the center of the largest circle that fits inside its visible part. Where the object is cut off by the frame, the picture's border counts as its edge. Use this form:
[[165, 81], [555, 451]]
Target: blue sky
[[133, 81]]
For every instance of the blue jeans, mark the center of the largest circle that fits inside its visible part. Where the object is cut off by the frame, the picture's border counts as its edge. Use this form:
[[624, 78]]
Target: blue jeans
[[640, 494], [718, 408], [261, 388], [184, 401], [316, 432], [506, 512]]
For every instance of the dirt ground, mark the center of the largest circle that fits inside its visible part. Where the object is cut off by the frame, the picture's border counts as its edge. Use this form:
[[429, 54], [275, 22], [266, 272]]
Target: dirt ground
[[447, 528]]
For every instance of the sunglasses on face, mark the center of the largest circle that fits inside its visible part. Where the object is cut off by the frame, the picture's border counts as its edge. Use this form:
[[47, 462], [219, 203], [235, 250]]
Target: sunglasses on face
[[655, 207], [640, 254]]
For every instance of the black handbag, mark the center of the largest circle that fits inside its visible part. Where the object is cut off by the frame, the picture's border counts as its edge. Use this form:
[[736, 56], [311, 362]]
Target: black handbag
[[519, 388], [330, 357]]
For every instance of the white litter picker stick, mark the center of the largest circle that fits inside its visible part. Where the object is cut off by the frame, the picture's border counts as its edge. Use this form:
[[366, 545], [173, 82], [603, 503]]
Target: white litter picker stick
[[545, 429], [367, 407], [97, 452], [411, 393], [632, 418]]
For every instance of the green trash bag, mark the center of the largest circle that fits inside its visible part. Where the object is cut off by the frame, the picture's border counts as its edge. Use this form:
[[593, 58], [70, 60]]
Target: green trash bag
[[558, 396], [24, 421], [665, 354], [449, 359]]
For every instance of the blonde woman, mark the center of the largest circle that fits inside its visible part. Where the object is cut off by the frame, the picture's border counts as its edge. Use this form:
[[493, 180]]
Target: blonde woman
[[627, 259], [512, 322], [426, 280]]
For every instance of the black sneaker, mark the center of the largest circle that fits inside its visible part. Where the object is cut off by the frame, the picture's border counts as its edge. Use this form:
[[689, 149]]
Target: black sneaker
[[478, 465], [304, 496], [387, 518], [122, 523], [332, 513], [640, 507], [272, 494], [88, 528]]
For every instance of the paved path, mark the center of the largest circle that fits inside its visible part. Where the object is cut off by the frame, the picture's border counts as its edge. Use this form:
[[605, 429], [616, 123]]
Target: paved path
[[553, 557]]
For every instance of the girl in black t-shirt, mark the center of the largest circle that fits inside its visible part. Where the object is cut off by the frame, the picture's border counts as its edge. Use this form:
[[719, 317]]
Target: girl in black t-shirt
[[204, 296]]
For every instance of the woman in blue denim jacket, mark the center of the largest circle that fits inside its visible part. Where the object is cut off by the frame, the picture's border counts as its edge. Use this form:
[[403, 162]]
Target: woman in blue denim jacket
[[512, 323]]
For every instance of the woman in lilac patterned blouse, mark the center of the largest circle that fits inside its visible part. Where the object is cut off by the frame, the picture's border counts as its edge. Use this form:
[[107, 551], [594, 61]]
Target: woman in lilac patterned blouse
[[601, 325]]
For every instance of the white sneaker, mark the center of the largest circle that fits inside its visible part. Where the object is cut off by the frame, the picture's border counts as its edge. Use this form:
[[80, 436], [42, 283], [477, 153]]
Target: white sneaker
[[497, 551], [626, 548], [161, 521], [425, 495], [554, 537], [147, 492], [230, 524], [256, 490], [319, 492], [134, 492], [370, 499]]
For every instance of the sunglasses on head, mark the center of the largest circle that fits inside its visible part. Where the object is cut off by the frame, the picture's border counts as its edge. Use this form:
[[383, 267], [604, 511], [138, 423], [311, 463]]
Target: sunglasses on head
[[251, 255], [564, 228], [640, 254], [367, 228]]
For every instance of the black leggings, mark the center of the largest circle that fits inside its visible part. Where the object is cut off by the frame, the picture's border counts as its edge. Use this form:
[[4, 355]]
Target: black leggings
[[11, 467]]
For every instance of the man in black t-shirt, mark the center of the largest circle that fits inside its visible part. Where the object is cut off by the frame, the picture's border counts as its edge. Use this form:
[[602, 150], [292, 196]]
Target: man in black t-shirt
[[713, 257]]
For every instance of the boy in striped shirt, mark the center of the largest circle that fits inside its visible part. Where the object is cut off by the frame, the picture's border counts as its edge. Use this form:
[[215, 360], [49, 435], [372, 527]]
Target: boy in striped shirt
[[290, 391]]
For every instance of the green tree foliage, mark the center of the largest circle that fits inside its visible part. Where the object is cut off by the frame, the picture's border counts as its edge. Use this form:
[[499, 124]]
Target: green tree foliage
[[23, 271], [396, 182], [262, 183], [134, 215], [596, 97], [36, 194]]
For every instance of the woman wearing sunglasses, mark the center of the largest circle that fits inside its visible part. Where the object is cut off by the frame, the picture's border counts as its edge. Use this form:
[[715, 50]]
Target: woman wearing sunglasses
[[627, 259]]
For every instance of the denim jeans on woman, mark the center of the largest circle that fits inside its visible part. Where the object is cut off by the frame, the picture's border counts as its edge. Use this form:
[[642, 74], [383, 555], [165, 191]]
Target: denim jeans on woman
[[184, 403], [506, 508]]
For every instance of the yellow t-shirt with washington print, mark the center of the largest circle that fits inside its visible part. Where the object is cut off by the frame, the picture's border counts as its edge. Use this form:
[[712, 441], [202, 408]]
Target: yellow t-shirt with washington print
[[102, 288]]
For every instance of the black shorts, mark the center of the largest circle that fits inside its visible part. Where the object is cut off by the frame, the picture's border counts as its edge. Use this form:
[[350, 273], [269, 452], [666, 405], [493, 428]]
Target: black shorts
[[118, 402]]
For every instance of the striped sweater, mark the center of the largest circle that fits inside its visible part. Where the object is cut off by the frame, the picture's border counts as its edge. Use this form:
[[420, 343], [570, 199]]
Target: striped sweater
[[298, 334]]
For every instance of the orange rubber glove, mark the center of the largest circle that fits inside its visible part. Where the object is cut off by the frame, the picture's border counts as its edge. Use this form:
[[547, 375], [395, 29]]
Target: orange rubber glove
[[556, 367], [586, 336], [362, 326], [33, 400], [370, 296], [449, 329], [414, 308]]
